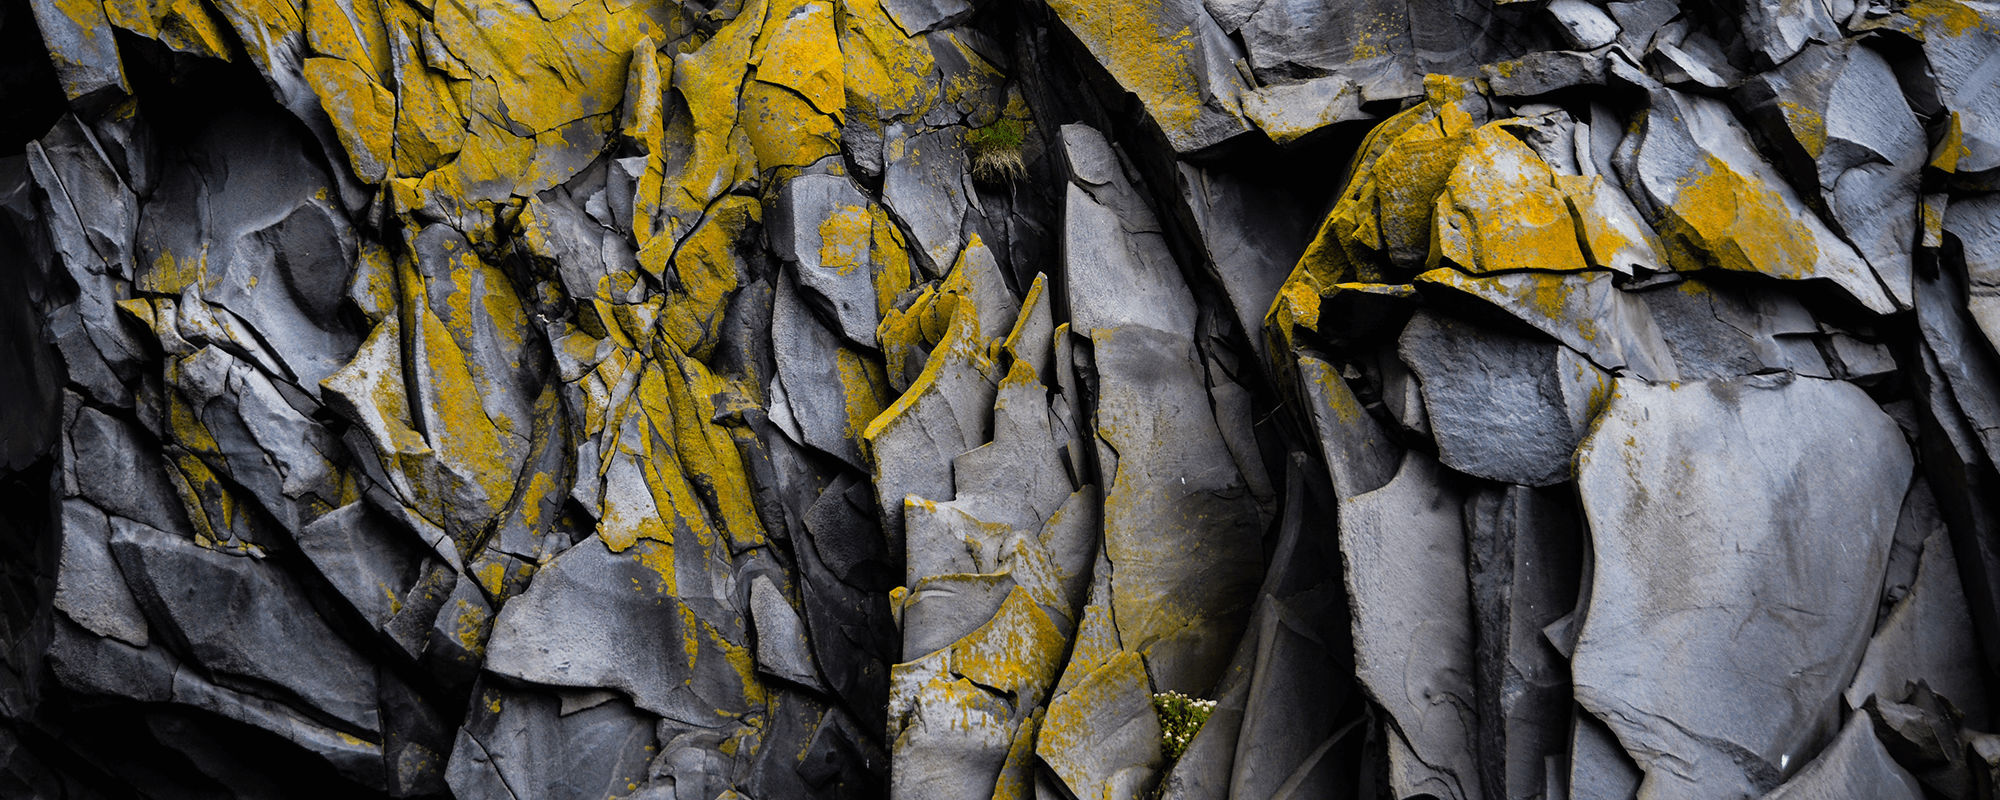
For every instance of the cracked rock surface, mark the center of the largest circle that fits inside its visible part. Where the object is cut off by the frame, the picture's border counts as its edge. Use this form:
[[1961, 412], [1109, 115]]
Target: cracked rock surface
[[1000, 399]]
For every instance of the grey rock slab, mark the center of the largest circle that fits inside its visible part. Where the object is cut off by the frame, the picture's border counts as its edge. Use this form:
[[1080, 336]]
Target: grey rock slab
[[1101, 737], [1715, 657], [112, 468], [1499, 405], [520, 744], [1585, 24], [362, 554], [1584, 310], [1927, 637], [1180, 524], [1856, 765], [807, 207], [782, 647], [1250, 235], [814, 395], [1524, 547], [1598, 767], [1846, 139], [1975, 222], [89, 587], [1288, 112], [1405, 566], [241, 621], [83, 50], [1358, 452], [1173, 56], [597, 619], [1720, 330], [249, 218], [926, 185], [1117, 268]]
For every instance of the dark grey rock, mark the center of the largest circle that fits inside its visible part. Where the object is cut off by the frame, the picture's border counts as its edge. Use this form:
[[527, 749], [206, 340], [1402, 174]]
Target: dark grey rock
[[1502, 407], [239, 620]]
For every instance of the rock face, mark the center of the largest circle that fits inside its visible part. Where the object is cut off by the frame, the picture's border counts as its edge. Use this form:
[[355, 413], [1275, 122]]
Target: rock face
[[1190, 399]]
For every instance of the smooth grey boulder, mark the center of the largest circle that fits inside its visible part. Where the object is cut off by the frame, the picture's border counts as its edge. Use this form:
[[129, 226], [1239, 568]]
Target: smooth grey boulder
[[1502, 407], [1707, 646]]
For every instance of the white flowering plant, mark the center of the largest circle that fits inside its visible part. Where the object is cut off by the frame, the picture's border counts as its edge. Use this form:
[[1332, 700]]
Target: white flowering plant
[[1181, 717]]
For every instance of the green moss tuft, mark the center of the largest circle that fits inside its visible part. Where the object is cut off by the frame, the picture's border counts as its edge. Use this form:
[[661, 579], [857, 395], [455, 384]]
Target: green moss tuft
[[996, 150]]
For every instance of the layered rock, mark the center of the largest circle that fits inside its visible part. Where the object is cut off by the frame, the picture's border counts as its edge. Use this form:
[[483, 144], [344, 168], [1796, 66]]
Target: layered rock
[[950, 399]]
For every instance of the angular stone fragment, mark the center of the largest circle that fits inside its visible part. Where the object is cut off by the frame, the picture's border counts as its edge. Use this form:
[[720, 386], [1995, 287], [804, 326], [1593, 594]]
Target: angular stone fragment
[[236, 618], [1171, 54], [1854, 765], [1718, 201], [1927, 637], [1582, 310], [1716, 661], [1405, 556], [1504, 408]]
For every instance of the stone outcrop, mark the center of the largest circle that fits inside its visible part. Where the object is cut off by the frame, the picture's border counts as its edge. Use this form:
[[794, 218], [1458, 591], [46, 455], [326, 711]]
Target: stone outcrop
[[1190, 399]]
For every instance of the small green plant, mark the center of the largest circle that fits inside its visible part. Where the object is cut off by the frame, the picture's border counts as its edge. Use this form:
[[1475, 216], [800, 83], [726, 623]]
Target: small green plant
[[996, 150], [1180, 717]]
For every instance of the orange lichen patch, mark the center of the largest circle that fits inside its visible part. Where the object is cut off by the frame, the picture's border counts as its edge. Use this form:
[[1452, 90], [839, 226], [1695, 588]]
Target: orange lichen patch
[[546, 73], [1017, 773], [429, 127], [1500, 210], [1017, 651], [1951, 147], [707, 272], [792, 108], [353, 32], [1740, 223], [1149, 54], [187, 26], [712, 152], [800, 52], [644, 123], [363, 113], [1948, 17], [1403, 165], [1807, 125], [887, 75], [784, 130], [658, 556], [864, 385]]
